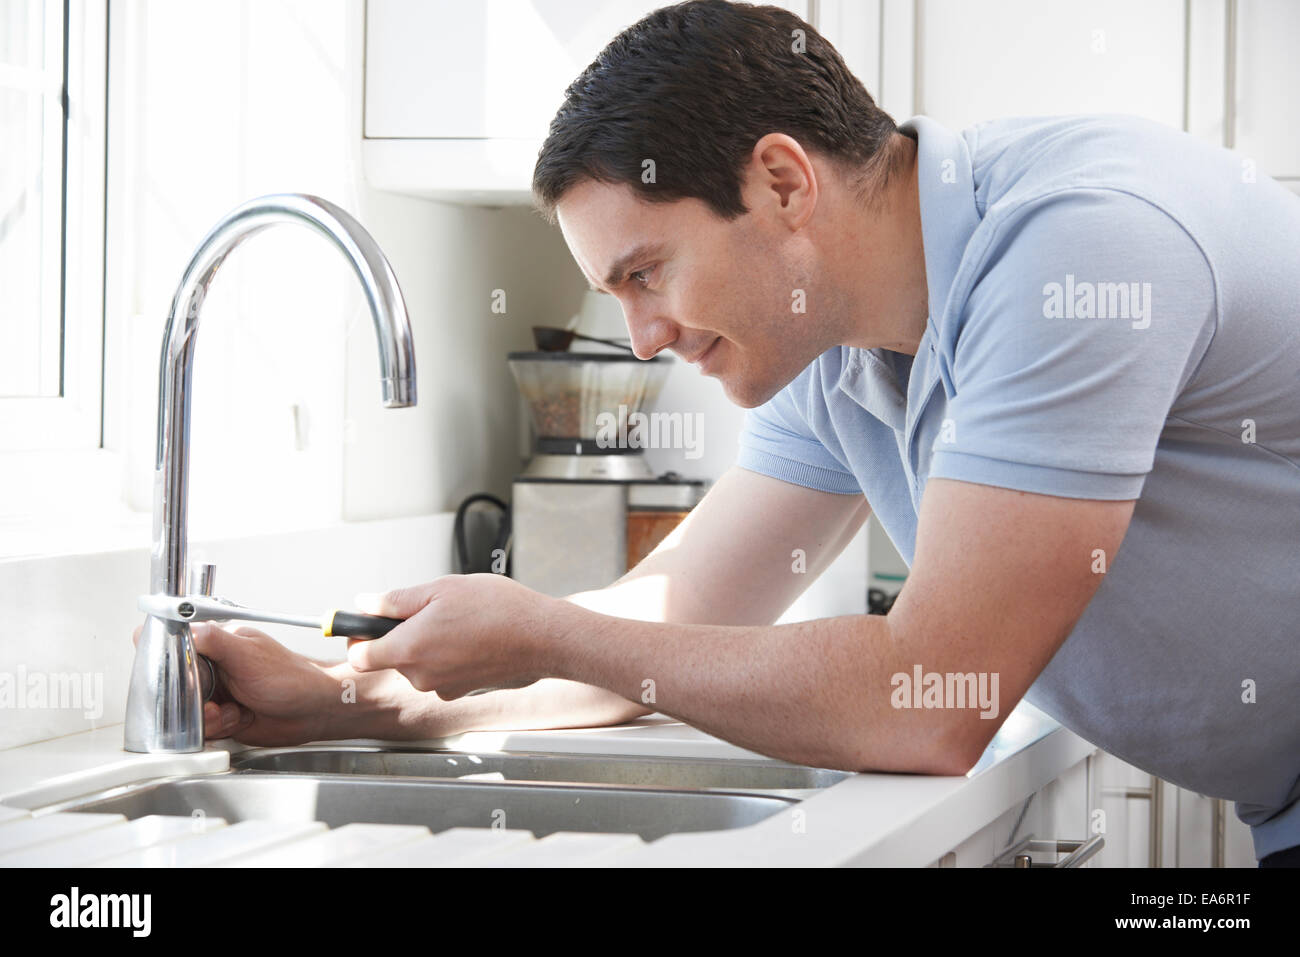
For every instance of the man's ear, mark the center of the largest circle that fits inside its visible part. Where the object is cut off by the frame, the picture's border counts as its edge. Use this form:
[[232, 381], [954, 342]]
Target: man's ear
[[781, 179]]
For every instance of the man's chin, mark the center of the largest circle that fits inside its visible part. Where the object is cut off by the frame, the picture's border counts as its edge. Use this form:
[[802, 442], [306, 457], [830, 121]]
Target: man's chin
[[745, 394]]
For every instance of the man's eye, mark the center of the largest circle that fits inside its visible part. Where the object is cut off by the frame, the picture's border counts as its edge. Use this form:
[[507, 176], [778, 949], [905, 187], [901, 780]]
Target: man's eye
[[641, 276]]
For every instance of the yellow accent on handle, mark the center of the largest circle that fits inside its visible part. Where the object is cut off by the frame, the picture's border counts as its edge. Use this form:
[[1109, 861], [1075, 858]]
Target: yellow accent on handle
[[328, 627]]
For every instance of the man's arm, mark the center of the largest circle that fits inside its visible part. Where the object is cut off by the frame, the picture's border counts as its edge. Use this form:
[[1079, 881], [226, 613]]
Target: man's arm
[[999, 580], [728, 563]]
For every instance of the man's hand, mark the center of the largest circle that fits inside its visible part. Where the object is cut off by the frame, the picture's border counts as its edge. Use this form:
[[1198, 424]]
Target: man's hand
[[462, 633], [265, 694]]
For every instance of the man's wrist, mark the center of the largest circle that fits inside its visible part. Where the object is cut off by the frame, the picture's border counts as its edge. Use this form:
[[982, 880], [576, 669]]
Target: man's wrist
[[362, 705], [565, 627]]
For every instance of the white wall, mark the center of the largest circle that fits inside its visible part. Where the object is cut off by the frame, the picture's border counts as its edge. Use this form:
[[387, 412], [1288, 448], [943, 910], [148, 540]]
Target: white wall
[[218, 102], [70, 617]]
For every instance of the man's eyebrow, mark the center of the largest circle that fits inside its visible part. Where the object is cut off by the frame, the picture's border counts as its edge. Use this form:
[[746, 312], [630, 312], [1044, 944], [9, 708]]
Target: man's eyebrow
[[627, 261]]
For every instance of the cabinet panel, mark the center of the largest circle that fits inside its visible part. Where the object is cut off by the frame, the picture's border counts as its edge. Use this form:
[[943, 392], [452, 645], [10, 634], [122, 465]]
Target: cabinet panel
[[1267, 84], [1068, 809], [982, 847], [1195, 818], [1187, 821], [490, 68], [982, 59], [476, 69], [853, 28], [1057, 812], [1205, 73], [1121, 793]]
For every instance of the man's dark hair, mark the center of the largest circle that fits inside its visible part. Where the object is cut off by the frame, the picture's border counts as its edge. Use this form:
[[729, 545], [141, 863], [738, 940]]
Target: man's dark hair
[[693, 87]]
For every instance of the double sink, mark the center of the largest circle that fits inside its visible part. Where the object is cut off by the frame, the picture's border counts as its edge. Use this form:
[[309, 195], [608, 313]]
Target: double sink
[[543, 793]]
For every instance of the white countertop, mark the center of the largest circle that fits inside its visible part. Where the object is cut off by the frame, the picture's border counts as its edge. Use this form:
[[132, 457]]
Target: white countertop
[[869, 819]]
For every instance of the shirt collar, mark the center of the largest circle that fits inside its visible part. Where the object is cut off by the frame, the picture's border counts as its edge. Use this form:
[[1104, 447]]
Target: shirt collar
[[872, 384]]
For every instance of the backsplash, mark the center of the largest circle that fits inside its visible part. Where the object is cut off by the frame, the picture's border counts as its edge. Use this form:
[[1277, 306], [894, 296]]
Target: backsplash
[[70, 617]]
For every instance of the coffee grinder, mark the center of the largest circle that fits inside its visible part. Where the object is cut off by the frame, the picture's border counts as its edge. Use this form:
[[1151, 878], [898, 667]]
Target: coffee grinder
[[587, 505]]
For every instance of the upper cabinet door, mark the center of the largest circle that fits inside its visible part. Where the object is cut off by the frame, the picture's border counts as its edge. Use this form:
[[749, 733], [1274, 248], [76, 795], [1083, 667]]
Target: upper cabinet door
[[483, 69], [984, 59], [1265, 85]]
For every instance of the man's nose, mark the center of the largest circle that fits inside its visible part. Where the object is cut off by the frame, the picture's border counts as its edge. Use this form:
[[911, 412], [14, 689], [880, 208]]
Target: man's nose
[[650, 333]]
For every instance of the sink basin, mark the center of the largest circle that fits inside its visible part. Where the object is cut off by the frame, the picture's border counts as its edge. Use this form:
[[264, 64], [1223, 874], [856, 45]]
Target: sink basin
[[436, 804], [621, 770]]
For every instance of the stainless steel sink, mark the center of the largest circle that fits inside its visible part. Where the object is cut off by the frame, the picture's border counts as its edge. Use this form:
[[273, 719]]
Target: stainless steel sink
[[695, 773], [649, 812]]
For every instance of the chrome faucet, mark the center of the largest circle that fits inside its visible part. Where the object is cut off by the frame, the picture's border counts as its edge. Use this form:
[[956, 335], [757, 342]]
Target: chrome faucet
[[164, 707]]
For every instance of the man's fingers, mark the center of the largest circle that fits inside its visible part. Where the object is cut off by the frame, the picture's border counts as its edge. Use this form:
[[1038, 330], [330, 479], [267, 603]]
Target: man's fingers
[[135, 635], [373, 655], [243, 718], [211, 719], [221, 720], [215, 642]]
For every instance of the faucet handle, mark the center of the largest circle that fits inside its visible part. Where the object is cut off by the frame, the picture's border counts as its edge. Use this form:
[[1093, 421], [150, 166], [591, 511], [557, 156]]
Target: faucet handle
[[207, 677], [202, 579]]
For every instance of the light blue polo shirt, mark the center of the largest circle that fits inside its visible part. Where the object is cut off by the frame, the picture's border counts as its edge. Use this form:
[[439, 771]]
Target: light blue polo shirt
[[1114, 314]]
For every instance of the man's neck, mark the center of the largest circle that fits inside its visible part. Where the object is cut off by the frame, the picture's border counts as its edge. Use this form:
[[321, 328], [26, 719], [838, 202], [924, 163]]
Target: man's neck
[[885, 266]]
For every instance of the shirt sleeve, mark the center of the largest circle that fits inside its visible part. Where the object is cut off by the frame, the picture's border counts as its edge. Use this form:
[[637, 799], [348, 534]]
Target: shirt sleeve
[[1089, 316], [779, 441]]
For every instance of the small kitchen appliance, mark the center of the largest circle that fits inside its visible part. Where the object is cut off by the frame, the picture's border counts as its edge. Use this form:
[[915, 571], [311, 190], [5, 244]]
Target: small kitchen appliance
[[587, 505]]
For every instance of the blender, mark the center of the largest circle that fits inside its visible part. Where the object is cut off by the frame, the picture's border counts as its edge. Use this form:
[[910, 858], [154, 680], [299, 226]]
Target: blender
[[587, 506]]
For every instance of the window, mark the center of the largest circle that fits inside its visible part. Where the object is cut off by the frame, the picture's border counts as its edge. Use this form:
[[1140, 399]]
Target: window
[[53, 84]]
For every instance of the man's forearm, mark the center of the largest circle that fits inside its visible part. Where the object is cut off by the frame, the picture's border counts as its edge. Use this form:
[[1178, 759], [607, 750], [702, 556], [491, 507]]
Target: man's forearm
[[717, 567], [815, 692], [384, 705]]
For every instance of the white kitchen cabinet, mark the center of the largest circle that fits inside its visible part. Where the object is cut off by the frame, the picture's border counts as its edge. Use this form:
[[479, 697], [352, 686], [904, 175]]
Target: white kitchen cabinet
[[1244, 77], [1264, 83], [1185, 822], [1122, 798], [1104, 795], [1057, 812], [459, 93], [496, 69], [853, 28], [1195, 820], [981, 59], [1223, 70]]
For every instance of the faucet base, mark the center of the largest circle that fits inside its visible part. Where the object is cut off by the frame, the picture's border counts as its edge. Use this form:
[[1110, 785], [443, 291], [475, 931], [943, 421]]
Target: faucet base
[[164, 706]]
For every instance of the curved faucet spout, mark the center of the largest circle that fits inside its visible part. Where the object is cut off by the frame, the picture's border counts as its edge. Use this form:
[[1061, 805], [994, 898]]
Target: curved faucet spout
[[164, 707]]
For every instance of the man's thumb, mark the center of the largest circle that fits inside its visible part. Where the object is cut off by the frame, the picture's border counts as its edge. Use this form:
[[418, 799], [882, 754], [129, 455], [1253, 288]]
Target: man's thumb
[[399, 603], [210, 640]]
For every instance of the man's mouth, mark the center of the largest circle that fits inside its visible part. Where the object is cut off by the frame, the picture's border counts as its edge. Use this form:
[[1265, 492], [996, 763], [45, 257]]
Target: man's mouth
[[698, 357]]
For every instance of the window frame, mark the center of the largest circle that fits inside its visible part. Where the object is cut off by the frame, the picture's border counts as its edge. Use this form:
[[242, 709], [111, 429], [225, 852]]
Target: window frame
[[73, 419]]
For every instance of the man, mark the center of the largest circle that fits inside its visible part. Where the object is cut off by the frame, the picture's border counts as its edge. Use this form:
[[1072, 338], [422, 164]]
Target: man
[[1022, 346]]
